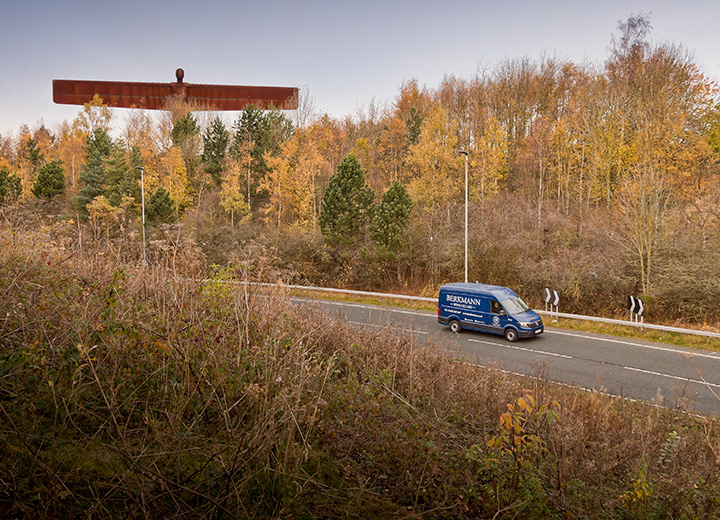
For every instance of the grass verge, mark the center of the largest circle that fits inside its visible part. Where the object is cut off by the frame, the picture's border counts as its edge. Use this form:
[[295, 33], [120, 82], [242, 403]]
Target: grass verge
[[129, 392]]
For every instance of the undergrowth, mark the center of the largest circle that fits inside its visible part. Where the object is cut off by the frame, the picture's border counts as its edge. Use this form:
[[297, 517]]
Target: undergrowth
[[130, 392]]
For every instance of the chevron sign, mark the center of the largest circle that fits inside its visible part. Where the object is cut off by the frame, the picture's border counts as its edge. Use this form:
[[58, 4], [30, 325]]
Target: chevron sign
[[636, 305], [551, 297]]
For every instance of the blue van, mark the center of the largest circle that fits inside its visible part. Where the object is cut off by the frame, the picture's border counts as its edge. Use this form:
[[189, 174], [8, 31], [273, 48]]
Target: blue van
[[487, 308]]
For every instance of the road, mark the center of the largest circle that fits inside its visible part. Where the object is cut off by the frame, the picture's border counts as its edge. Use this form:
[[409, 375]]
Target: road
[[676, 377]]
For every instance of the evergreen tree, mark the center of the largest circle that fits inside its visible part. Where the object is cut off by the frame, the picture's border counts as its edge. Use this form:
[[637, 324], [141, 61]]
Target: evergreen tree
[[50, 181], [215, 146], [98, 148], [262, 133], [414, 126], [346, 203], [31, 153], [160, 206], [121, 178], [10, 187], [390, 218]]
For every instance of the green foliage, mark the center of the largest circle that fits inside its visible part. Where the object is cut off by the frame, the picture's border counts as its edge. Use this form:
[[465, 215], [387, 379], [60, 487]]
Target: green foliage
[[390, 217], [121, 177], [50, 181], [414, 126], [159, 207], [216, 141], [10, 187], [346, 204], [31, 153], [98, 148], [262, 133], [184, 128]]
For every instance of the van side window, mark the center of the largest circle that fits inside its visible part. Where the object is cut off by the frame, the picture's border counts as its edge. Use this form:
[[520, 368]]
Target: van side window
[[495, 307]]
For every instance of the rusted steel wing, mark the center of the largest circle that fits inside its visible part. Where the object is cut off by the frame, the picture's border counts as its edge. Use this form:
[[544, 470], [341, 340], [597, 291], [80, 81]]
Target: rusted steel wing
[[154, 96]]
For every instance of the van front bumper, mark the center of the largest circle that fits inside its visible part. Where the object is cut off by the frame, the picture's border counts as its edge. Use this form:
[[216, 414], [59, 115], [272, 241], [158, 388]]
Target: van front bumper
[[530, 333]]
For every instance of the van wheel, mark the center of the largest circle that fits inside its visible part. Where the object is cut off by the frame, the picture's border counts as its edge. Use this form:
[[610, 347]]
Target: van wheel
[[511, 335], [455, 326]]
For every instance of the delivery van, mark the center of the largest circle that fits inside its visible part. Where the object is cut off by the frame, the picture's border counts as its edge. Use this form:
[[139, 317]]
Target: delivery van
[[487, 308]]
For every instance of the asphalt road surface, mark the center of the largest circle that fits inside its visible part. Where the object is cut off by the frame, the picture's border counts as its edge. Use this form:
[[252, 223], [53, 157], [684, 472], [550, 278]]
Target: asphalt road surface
[[676, 377]]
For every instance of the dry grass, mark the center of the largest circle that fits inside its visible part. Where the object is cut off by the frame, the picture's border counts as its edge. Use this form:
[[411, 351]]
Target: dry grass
[[130, 392]]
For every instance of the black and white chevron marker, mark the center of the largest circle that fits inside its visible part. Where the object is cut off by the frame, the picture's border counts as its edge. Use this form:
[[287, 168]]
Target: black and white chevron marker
[[636, 306], [552, 298]]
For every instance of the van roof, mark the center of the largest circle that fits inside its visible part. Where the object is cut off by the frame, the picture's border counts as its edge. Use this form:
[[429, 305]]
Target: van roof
[[498, 291]]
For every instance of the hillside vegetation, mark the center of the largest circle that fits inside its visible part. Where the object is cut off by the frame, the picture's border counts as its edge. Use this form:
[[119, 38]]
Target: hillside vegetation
[[131, 392], [597, 180]]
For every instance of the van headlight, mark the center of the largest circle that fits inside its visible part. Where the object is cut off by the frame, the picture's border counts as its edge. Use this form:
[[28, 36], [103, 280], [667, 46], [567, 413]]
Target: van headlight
[[525, 325]]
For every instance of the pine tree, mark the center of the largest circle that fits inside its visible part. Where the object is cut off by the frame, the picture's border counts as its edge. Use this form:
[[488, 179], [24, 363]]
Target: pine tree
[[346, 203], [10, 187], [414, 126], [215, 146], [160, 206], [50, 181], [121, 178], [98, 147], [390, 218]]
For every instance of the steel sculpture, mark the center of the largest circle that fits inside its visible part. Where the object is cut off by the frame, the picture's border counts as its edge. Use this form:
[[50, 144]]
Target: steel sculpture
[[155, 96]]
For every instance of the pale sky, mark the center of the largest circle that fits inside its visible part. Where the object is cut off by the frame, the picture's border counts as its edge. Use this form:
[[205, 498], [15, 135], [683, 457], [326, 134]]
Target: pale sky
[[342, 54]]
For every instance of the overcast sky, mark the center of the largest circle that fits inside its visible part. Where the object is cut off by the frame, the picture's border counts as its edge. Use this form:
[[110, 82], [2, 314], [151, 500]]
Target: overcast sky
[[343, 54]]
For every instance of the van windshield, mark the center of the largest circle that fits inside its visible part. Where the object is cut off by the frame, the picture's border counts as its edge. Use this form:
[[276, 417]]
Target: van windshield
[[515, 305]]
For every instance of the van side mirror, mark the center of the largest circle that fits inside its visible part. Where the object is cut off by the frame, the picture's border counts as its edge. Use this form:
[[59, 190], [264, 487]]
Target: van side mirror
[[503, 313]]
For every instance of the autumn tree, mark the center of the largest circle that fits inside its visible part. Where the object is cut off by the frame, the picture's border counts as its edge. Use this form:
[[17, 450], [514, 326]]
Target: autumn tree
[[393, 148], [489, 162], [142, 134], [233, 191], [345, 205], [95, 115], [291, 181], [70, 147], [643, 205], [331, 141], [186, 139], [435, 163], [175, 179]]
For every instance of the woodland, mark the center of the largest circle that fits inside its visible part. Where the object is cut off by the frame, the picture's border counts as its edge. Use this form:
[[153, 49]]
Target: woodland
[[596, 180]]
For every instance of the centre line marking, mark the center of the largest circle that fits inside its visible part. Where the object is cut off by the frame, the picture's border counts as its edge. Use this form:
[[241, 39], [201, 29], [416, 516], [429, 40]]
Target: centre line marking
[[622, 342], [699, 382], [521, 348]]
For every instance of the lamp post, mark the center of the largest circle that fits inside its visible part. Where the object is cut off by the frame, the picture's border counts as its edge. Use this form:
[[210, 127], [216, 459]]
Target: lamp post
[[142, 203], [466, 212]]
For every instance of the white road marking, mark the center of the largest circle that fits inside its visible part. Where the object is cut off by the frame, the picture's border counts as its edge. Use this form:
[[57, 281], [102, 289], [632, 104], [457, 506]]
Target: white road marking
[[699, 382], [641, 345], [377, 325], [515, 347], [368, 307]]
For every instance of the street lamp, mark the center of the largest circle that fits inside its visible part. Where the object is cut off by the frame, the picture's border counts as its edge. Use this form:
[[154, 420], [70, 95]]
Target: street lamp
[[142, 199], [466, 213]]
